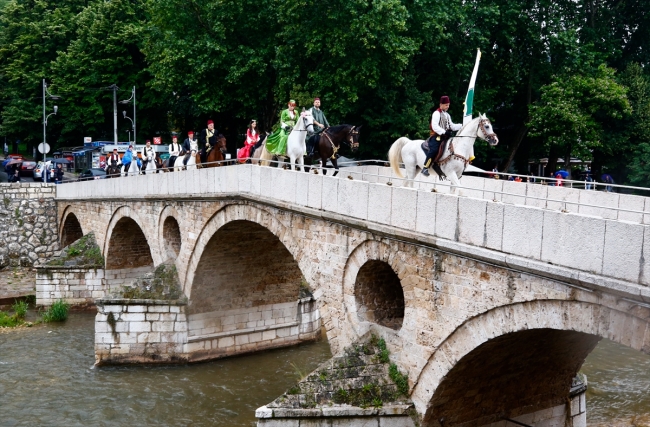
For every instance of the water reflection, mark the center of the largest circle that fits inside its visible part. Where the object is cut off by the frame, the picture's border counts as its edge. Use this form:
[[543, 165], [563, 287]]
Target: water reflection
[[619, 381], [46, 378]]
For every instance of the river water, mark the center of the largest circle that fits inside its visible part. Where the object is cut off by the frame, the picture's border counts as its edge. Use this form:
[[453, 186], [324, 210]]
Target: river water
[[47, 379]]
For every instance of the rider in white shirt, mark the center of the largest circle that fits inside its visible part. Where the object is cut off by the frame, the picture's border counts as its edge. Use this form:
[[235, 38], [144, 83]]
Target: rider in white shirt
[[147, 151], [190, 144], [440, 127], [174, 151]]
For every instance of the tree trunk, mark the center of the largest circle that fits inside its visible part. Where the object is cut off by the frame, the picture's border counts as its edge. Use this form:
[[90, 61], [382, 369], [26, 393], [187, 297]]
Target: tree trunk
[[523, 130], [521, 133], [552, 161]]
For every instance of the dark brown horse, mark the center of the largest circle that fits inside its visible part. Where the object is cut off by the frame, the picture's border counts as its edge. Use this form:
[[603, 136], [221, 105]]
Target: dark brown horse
[[113, 171], [328, 143], [215, 154]]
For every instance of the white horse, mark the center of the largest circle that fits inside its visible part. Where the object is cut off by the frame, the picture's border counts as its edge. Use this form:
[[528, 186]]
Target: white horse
[[191, 162], [151, 164], [296, 147], [457, 155], [134, 169]]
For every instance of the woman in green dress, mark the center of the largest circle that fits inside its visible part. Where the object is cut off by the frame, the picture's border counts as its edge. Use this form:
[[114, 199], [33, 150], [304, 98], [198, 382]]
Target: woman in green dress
[[276, 143]]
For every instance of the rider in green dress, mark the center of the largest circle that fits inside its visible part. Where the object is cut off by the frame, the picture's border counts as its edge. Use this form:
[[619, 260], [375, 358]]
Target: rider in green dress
[[276, 143]]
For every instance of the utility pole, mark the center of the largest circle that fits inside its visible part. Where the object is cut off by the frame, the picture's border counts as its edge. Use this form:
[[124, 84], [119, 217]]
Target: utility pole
[[114, 88]]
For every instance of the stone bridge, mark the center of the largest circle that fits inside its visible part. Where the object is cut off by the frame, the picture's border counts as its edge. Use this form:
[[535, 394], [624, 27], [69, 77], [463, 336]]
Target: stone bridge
[[490, 301]]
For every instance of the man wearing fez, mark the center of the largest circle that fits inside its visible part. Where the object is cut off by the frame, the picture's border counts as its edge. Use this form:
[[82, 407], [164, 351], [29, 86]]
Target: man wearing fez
[[440, 128], [207, 140], [188, 145]]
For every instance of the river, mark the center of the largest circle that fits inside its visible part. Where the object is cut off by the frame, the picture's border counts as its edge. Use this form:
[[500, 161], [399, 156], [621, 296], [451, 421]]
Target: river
[[47, 378]]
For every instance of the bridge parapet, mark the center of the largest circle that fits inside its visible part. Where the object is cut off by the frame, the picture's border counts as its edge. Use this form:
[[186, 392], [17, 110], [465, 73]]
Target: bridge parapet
[[514, 231]]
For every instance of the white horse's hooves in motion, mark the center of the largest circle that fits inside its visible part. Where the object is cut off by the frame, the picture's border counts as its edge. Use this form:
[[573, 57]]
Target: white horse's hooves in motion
[[457, 155]]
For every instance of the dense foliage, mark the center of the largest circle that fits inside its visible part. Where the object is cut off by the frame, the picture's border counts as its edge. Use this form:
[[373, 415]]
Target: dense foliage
[[558, 78]]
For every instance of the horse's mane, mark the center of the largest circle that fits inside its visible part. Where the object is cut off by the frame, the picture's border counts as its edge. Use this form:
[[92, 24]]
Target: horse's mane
[[460, 131], [338, 128]]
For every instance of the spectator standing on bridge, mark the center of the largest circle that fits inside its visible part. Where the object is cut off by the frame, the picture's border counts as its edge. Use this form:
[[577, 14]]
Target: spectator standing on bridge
[[58, 173], [174, 151], [6, 150]]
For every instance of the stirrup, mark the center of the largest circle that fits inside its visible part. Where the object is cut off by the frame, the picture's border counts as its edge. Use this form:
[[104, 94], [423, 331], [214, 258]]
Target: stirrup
[[425, 171]]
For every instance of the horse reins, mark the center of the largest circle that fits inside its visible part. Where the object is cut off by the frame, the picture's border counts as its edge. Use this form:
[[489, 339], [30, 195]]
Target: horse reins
[[453, 155]]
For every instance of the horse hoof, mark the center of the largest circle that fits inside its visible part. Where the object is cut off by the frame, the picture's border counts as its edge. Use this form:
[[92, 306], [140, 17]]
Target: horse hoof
[[433, 190], [315, 172], [350, 177], [389, 183]]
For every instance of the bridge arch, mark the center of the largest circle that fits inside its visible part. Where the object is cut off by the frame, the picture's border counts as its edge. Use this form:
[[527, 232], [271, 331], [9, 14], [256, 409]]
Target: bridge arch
[[378, 287], [537, 346], [70, 229], [240, 213], [128, 242], [169, 233]]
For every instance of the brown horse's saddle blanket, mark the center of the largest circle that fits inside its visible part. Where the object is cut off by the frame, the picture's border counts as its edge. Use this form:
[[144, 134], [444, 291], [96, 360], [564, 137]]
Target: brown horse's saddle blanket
[[441, 149]]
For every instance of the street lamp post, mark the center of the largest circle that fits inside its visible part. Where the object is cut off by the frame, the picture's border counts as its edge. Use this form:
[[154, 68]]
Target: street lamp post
[[47, 94], [127, 101], [132, 126]]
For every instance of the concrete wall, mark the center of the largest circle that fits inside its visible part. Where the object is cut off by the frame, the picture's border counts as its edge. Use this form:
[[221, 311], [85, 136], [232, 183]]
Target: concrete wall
[[28, 224], [77, 286]]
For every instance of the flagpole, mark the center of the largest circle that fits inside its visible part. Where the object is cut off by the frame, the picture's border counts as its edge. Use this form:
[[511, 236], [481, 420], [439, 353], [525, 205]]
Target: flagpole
[[469, 98]]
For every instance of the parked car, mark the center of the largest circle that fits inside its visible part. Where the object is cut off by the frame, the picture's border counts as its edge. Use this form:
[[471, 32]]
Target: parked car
[[38, 172], [93, 173], [27, 168]]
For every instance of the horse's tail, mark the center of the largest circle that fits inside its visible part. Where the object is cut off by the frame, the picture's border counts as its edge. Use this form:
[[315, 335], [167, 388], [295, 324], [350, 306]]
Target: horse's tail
[[395, 155]]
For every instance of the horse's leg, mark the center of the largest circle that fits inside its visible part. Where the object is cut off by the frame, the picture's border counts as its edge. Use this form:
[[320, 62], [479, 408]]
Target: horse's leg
[[411, 170], [455, 182], [335, 163], [301, 163]]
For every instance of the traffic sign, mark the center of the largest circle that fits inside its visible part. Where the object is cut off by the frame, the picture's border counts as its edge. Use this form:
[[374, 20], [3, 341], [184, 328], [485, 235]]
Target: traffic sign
[[43, 148]]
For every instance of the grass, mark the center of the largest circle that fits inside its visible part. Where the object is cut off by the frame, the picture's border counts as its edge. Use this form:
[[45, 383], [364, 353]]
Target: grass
[[164, 285], [57, 312], [85, 251], [17, 319]]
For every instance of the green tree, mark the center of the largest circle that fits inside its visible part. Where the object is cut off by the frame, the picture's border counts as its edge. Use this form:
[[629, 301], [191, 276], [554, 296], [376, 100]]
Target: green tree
[[106, 50], [32, 32], [574, 110], [631, 162]]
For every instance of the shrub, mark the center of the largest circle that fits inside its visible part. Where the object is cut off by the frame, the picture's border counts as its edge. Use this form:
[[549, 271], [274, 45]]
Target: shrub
[[58, 312], [20, 308]]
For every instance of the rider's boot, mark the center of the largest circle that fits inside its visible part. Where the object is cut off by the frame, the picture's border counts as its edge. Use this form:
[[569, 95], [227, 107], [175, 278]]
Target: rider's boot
[[427, 164], [185, 159]]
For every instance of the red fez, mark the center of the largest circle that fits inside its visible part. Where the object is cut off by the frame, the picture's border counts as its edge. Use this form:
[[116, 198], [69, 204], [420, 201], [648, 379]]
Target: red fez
[[174, 137], [444, 99], [148, 140], [316, 99], [210, 122], [189, 132]]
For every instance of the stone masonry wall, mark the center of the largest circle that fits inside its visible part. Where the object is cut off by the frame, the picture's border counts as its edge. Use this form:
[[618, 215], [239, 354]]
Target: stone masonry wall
[[28, 224], [226, 333], [77, 286], [460, 288], [140, 331]]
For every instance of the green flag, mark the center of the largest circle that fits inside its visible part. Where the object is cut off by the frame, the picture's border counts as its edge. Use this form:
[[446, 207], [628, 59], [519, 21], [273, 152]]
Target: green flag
[[469, 99]]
